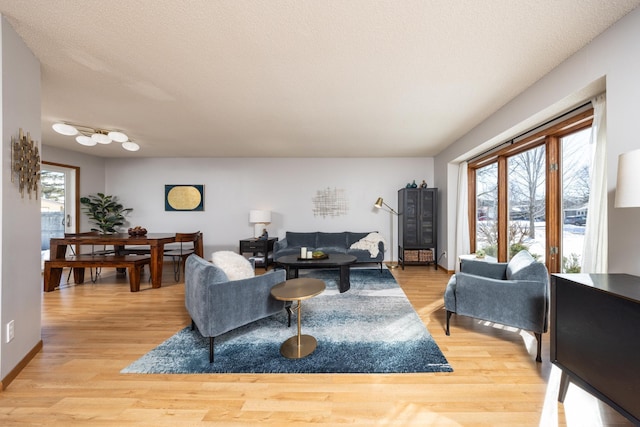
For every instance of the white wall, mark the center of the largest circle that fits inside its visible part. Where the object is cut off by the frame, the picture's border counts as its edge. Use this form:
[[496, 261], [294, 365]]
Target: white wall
[[286, 186], [20, 283], [612, 55]]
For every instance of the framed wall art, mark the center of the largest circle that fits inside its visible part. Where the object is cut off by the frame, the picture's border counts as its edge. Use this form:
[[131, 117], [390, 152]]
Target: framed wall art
[[183, 197]]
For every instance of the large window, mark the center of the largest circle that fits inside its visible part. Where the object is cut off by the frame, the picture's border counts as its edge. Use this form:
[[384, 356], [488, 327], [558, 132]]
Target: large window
[[533, 194], [577, 155]]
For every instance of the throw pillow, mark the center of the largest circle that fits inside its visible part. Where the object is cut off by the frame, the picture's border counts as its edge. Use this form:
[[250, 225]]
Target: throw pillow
[[234, 265]]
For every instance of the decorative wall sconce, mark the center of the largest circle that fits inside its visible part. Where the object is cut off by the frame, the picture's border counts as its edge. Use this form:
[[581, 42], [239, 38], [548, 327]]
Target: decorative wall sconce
[[89, 136], [25, 163]]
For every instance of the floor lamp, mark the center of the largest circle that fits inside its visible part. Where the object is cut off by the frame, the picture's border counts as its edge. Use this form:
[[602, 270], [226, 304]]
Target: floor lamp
[[379, 203]]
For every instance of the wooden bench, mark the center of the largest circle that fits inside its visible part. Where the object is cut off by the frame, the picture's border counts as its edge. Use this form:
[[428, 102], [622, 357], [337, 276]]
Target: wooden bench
[[133, 264]]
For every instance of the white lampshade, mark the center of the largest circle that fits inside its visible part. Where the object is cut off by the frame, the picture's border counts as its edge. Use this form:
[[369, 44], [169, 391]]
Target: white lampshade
[[101, 138], [259, 217], [118, 136], [85, 140], [130, 146], [65, 129], [627, 188]]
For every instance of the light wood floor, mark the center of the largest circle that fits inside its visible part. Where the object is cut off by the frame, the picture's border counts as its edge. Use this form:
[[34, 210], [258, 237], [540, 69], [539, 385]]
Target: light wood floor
[[92, 331]]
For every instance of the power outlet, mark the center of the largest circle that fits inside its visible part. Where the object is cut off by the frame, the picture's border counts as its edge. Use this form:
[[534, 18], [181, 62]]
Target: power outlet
[[10, 331], [444, 254]]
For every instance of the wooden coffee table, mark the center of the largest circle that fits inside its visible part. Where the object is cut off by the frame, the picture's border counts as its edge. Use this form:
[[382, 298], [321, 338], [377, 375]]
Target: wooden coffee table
[[300, 345], [292, 263]]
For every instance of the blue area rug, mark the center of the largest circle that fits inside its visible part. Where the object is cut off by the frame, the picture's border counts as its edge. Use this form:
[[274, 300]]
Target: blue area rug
[[372, 328]]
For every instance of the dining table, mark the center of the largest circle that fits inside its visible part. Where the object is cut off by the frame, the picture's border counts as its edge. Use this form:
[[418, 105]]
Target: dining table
[[155, 241]]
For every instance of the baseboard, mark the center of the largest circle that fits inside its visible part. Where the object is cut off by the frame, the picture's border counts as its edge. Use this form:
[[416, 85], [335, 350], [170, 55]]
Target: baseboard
[[448, 271], [20, 366]]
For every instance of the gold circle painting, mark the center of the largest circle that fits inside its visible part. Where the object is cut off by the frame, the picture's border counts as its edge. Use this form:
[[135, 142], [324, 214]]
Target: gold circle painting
[[184, 198]]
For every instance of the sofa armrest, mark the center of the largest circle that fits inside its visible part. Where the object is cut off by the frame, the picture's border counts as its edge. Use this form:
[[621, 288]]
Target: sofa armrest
[[494, 270], [279, 245], [518, 303]]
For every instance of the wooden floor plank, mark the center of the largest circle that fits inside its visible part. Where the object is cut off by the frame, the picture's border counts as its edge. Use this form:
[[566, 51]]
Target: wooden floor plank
[[92, 331]]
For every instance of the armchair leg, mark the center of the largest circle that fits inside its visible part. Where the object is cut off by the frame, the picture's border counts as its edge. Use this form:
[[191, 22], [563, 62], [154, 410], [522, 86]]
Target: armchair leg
[[449, 313], [193, 325], [211, 349], [289, 314], [539, 339]]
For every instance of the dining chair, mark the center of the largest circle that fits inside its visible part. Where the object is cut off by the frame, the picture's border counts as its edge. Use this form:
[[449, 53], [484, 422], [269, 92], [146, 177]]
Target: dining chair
[[186, 246]]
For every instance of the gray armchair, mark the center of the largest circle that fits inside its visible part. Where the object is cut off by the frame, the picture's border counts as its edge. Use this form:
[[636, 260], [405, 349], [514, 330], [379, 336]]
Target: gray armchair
[[513, 294], [217, 305]]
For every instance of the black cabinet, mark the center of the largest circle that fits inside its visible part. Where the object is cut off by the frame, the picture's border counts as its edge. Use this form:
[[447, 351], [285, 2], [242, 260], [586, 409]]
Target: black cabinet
[[595, 337], [417, 226]]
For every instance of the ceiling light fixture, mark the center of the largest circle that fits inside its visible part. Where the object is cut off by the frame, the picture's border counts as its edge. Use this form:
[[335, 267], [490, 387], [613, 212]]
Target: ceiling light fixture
[[89, 136]]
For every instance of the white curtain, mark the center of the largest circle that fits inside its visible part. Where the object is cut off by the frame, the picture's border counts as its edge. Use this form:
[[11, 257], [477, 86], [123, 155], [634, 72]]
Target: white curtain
[[595, 250], [463, 242]]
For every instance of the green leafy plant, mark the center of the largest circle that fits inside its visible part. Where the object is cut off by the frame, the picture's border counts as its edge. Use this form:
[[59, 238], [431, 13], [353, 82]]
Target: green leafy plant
[[571, 264], [104, 211]]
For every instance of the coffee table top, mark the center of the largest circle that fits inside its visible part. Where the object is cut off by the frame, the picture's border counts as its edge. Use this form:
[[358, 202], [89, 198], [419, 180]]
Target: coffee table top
[[298, 289], [334, 260]]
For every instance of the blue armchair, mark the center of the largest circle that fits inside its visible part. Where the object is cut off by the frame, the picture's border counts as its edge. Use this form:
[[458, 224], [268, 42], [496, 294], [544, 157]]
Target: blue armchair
[[217, 305], [513, 294]]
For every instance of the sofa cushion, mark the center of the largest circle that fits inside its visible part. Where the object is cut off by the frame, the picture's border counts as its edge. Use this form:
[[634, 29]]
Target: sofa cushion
[[234, 265], [363, 255], [307, 240], [370, 243], [354, 237], [332, 249], [335, 240], [288, 251], [201, 270], [520, 267]]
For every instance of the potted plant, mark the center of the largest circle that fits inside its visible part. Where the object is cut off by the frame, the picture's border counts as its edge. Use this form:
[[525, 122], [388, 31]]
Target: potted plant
[[104, 211]]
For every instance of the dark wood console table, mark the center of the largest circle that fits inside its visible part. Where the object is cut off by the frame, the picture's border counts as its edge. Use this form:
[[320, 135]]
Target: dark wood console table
[[595, 337]]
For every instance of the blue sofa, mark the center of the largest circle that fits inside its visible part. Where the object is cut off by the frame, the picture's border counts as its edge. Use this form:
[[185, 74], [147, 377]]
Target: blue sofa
[[217, 305], [513, 294], [329, 243]]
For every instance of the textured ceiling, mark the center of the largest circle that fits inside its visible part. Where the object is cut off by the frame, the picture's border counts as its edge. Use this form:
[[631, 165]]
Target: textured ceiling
[[297, 78]]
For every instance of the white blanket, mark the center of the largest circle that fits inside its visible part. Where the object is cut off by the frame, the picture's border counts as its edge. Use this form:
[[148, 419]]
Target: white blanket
[[370, 243]]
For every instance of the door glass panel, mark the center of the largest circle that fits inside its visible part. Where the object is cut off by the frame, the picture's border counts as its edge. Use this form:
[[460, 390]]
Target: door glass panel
[[526, 193], [577, 156], [487, 209], [52, 208]]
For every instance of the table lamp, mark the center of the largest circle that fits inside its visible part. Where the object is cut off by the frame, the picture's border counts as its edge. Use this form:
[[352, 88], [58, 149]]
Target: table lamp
[[259, 219]]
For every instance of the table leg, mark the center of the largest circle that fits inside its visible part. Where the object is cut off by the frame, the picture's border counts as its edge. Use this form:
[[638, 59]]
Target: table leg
[[564, 386], [301, 345], [157, 258], [345, 278], [57, 251], [78, 275], [52, 278]]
